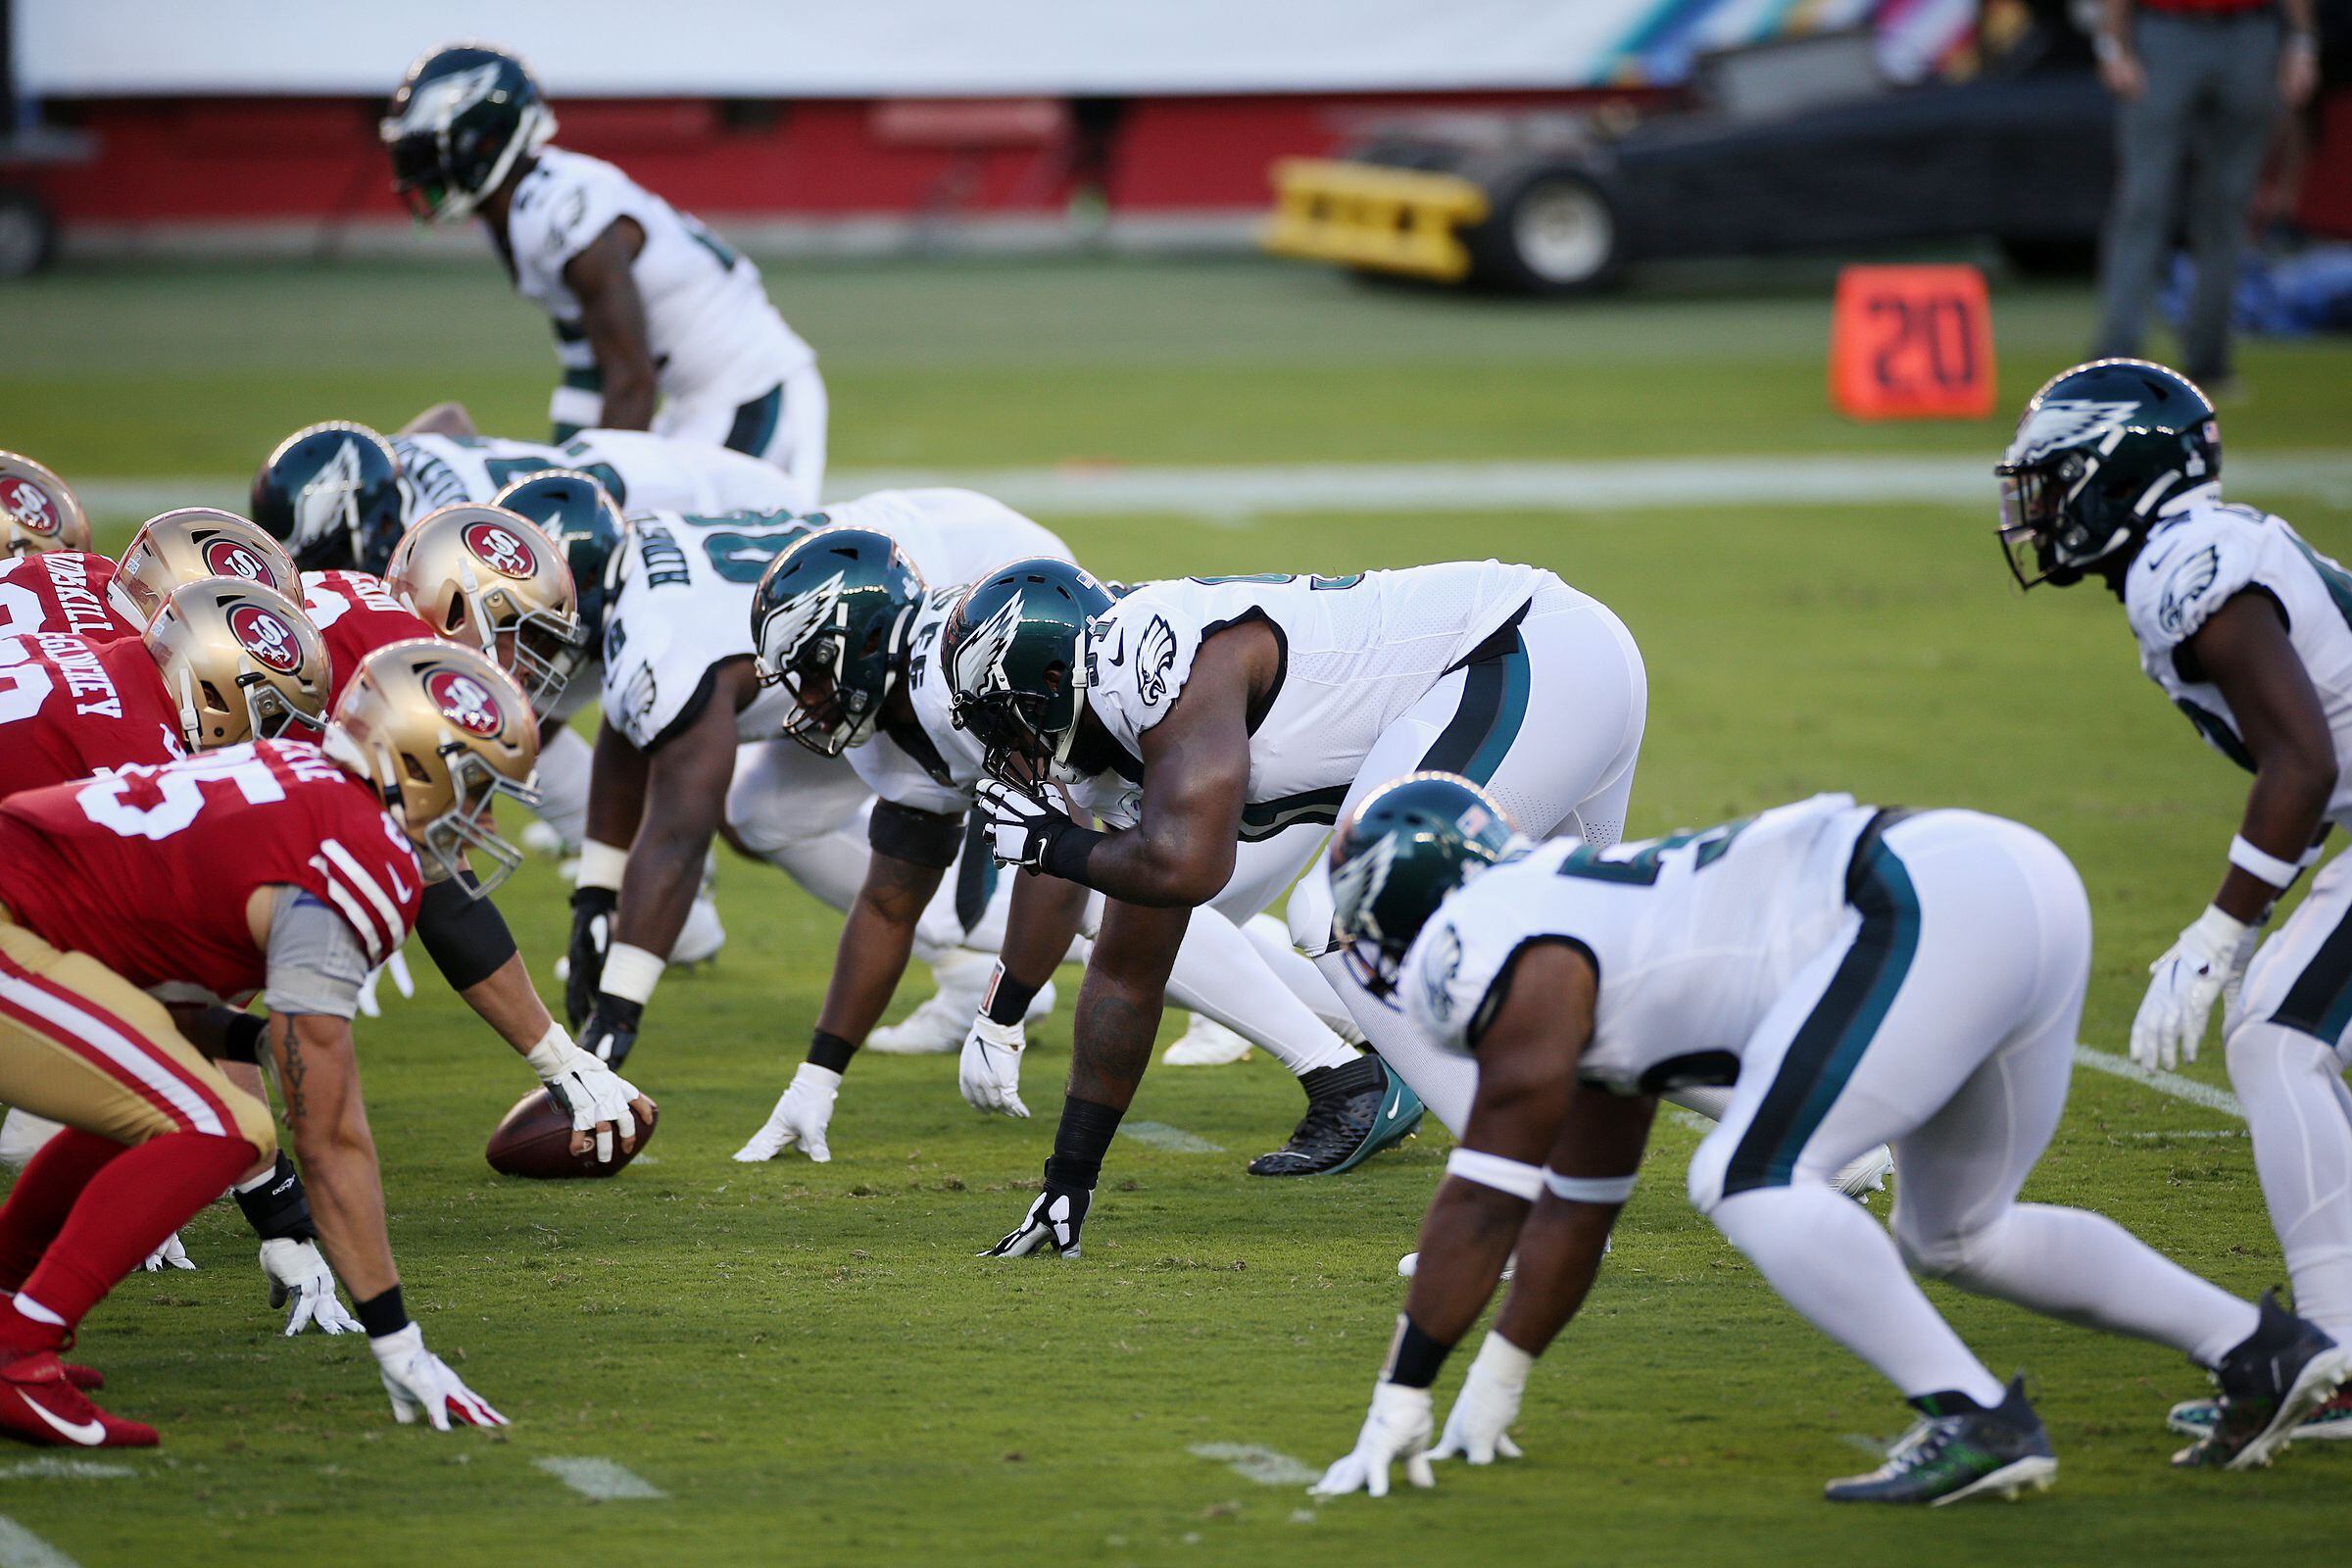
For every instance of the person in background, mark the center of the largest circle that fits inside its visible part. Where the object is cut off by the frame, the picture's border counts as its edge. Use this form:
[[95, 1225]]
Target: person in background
[[2201, 83]]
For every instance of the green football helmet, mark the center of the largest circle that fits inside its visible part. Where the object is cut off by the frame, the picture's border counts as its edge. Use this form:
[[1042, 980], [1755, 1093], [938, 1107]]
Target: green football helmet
[[460, 122], [1014, 650], [2098, 453], [576, 513], [1401, 853], [830, 621]]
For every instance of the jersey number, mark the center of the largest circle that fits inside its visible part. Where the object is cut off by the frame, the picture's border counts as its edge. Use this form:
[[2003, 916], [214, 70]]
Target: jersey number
[[23, 685], [173, 795], [1276, 578], [1640, 864], [742, 556]]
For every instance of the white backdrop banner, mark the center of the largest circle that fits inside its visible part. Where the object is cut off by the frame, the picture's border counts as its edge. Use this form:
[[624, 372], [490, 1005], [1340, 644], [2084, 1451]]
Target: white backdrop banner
[[877, 48]]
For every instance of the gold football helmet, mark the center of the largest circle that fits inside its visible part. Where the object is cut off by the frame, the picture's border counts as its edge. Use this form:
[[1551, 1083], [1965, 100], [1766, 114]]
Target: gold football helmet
[[38, 514], [241, 662], [440, 732], [192, 543], [483, 577]]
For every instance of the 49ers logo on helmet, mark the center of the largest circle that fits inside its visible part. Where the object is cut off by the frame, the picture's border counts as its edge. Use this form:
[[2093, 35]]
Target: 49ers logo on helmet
[[30, 505], [267, 637], [500, 549], [465, 702], [225, 558]]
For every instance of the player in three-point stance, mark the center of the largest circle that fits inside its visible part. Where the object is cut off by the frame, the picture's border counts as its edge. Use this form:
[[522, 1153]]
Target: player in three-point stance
[[1858, 975], [2115, 473]]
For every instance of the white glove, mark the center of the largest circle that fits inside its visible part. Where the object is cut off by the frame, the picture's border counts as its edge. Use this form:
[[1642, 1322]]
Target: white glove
[[590, 1089], [1478, 1427], [298, 1274], [799, 1117], [168, 1255], [397, 967], [990, 1073], [1398, 1427], [1019, 825], [420, 1383], [2188, 981], [2245, 955]]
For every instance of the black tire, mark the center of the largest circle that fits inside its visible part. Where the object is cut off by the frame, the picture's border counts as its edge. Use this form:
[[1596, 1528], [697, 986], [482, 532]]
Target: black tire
[[1548, 231], [27, 234]]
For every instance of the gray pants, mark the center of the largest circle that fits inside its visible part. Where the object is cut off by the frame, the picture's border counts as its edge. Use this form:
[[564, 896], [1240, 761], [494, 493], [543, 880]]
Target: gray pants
[[2203, 125]]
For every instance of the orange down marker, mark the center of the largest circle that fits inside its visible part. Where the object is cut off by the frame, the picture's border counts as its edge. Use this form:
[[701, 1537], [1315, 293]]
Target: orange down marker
[[1912, 343]]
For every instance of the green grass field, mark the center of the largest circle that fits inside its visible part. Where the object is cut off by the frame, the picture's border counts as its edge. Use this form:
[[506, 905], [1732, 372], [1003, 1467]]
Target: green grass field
[[809, 1362]]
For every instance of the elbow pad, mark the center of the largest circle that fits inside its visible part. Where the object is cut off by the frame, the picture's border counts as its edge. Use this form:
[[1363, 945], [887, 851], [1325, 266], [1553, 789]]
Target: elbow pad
[[467, 936]]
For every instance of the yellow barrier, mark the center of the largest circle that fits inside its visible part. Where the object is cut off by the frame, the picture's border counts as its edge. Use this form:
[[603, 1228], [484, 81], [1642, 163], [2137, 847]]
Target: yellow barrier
[[1365, 214]]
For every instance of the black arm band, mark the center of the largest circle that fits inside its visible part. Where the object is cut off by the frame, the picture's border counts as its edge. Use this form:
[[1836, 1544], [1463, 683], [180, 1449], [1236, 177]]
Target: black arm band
[[1065, 856], [829, 1052], [1414, 1360], [920, 837], [241, 1037], [382, 1314], [467, 936], [279, 1210]]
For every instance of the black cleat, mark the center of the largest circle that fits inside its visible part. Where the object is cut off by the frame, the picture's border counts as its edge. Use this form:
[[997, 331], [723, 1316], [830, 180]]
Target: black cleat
[[2284, 1369], [1959, 1449], [1352, 1112]]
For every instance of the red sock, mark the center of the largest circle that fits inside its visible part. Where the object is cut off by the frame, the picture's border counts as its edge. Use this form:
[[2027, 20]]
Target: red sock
[[128, 1210], [44, 1195]]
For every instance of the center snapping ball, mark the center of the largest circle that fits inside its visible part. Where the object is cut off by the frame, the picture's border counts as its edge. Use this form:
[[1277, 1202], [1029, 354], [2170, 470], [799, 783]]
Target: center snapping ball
[[534, 1140]]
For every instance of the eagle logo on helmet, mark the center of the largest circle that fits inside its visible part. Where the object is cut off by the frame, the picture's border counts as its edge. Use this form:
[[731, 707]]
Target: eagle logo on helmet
[[30, 505], [1437, 971], [267, 637], [434, 106], [980, 661], [500, 549], [225, 558], [330, 500], [794, 622], [1356, 886], [465, 702], [2059, 423]]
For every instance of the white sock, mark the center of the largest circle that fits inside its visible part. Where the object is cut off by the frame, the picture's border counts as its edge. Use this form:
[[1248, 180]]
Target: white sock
[[564, 763], [1447, 1083], [1219, 973], [1828, 1259], [2301, 1114]]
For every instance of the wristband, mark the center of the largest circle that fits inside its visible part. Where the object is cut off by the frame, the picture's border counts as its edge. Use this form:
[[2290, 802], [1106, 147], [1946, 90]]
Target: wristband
[[274, 1204], [601, 866], [1519, 1180], [1414, 1359], [1067, 851], [2262, 866], [382, 1314], [241, 1038], [830, 1051], [554, 1049], [1589, 1189], [630, 973], [1005, 1000]]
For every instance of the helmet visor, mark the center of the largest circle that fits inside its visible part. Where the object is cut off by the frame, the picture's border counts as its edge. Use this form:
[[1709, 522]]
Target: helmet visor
[[2030, 502]]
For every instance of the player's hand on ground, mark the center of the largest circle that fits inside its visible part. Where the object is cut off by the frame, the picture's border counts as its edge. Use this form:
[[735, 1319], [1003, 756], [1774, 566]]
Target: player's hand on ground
[[606, 1109], [168, 1255], [1019, 825], [800, 1119], [611, 1032], [1053, 1221], [1396, 1428], [591, 933], [421, 1384], [2182, 987], [990, 1074], [301, 1282], [1477, 1427]]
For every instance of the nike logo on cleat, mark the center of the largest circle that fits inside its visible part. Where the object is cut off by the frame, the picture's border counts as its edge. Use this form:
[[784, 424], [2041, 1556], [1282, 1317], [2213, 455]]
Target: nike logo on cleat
[[1396, 1105], [88, 1434]]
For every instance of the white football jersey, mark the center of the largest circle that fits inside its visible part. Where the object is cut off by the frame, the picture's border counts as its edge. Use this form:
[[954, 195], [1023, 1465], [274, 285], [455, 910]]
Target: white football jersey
[[708, 318], [642, 471], [1357, 651], [684, 601], [2197, 557], [1694, 936]]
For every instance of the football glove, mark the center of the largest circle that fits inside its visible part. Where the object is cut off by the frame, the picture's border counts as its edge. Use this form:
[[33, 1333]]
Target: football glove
[[1478, 1427], [1396, 1426], [420, 1383], [611, 1032], [397, 967], [604, 1105], [168, 1255], [591, 933], [990, 1073], [299, 1275], [2185, 984], [800, 1117], [1019, 826], [1053, 1221]]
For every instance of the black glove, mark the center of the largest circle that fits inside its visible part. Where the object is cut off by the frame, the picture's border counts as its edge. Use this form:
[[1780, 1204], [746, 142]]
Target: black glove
[[591, 933], [611, 1032], [1053, 1221]]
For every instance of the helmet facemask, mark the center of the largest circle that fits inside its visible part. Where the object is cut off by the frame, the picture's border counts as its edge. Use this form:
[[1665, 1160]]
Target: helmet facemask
[[2057, 519], [464, 834]]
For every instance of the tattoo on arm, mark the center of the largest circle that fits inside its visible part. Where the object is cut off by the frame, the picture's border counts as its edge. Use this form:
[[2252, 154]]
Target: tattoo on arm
[[293, 1070]]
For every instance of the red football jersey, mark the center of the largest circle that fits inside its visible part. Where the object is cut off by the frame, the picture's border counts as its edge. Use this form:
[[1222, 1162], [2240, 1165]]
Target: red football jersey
[[356, 615], [148, 872], [65, 590], [70, 707]]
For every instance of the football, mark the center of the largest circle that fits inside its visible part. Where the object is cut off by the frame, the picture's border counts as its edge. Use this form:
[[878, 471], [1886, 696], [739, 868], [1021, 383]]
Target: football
[[534, 1140]]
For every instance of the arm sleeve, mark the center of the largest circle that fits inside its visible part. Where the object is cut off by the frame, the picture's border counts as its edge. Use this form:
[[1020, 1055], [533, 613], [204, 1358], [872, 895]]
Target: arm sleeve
[[316, 962], [466, 935]]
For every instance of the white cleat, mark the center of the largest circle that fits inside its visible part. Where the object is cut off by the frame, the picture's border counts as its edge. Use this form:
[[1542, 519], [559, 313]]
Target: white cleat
[[540, 838], [1207, 1043], [946, 1017], [702, 937], [1867, 1175], [1410, 1262]]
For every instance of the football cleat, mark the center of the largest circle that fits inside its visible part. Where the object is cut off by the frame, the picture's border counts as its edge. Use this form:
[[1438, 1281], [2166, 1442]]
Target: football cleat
[[1351, 1115], [1208, 1043], [1866, 1175], [2331, 1421], [946, 1017], [1410, 1264], [2284, 1369], [1951, 1454], [41, 1403]]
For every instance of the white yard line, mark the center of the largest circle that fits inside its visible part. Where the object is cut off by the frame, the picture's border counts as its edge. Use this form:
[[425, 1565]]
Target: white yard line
[[2164, 1083], [1159, 1135], [1234, 495], [1264, 1466], [601, 1479], [19, 1548], [63, 1470]]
